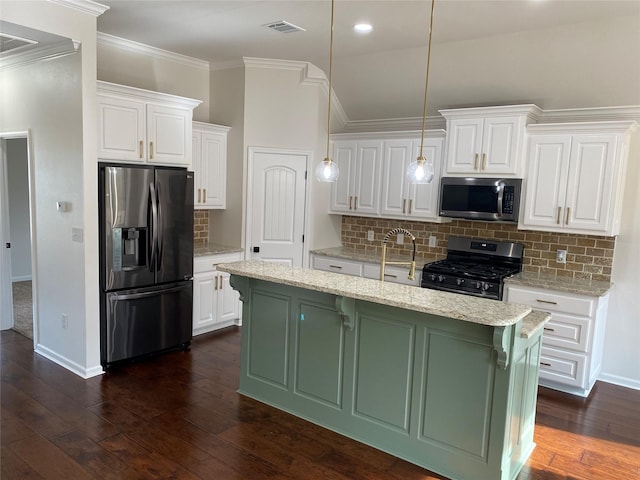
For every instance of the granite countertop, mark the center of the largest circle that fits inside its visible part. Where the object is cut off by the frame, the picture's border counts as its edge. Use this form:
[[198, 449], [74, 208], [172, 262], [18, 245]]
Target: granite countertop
[[204, 249], [534, 322], [594, 288], [362, 256], [452, 305]]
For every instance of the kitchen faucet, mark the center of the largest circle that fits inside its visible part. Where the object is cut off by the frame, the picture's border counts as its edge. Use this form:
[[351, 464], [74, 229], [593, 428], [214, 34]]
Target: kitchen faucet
[[412, 263]]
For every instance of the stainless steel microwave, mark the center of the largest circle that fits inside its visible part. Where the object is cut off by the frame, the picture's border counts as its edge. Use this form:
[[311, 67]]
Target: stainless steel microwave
[[492, 199]]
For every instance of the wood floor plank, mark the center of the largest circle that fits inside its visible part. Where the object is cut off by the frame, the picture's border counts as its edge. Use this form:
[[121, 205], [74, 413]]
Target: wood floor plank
[[179, 416]]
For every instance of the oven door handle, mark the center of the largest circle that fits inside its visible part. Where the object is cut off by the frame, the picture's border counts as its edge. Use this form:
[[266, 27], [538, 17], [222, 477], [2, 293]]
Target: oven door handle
[[500, 198]]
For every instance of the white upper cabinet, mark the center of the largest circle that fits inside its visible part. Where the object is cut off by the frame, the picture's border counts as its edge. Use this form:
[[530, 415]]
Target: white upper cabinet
[[141, 126], [210, 165], [487, 141], [357, 188], [575, 177], [400, 198]]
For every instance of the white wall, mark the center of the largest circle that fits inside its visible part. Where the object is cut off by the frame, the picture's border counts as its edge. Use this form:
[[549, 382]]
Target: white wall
[[132, 64], [19, 221], [621, 362], [56, 101]]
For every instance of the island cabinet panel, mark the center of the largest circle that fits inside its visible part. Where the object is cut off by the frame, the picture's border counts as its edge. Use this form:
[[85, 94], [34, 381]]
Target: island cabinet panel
[[453, 396]]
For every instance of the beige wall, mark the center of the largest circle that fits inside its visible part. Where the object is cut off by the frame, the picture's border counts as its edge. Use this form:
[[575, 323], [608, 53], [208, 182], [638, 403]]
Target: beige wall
[[56, 101]]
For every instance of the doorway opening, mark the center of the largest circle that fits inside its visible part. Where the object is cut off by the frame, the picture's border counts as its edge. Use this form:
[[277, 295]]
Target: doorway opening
[[16, 280]]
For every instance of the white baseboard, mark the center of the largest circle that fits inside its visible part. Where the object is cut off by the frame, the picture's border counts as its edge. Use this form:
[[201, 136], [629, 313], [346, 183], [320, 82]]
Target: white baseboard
[[68, 364], [618, 380], [23, 278]]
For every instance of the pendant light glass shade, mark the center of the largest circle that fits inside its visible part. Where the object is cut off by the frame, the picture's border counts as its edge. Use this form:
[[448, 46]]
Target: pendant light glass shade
[[420, 171], [327, 171]]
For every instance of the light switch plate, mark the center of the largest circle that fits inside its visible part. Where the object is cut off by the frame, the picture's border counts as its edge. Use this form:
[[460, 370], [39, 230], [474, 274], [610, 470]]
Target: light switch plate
[[77, 234]]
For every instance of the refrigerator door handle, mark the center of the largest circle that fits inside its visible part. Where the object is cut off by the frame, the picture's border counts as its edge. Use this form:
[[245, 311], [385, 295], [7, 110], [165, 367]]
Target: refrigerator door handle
[[160, 227], [153, 226], [135, 296]]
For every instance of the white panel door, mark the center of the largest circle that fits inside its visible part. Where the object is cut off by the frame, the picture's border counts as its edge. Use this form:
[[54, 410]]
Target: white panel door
[[590, 182], [344, 154], [424, 198], [464, 145], [395, 188], [121, 130], [367, 177], [169, 135], [204, 302], [214, 176], [277, 190], [546, 181], [228, 300], [500, 141]]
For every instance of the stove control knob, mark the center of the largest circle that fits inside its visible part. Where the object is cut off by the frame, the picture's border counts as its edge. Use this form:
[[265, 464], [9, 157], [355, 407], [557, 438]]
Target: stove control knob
[[485, 286], [478, 285], [459, 281], [432, 277], [441, 278]]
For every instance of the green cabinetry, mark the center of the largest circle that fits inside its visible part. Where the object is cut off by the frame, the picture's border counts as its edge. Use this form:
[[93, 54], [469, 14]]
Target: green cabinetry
[[453, 396]]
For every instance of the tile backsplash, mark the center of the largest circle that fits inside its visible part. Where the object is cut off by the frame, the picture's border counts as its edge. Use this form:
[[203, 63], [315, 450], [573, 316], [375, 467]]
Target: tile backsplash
[[588, 256], [200, 226]]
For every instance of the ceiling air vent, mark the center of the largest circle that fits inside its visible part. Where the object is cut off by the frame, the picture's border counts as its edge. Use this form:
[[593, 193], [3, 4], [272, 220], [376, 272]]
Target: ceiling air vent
[[284, 27], [10, 42]]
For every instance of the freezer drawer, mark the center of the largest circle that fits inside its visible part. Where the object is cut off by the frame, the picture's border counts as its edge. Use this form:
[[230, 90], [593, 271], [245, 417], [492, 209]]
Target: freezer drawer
[[145, 320]]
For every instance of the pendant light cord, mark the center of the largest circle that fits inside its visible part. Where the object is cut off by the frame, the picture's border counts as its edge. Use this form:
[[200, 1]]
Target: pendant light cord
[[328, 159], [426, 82]]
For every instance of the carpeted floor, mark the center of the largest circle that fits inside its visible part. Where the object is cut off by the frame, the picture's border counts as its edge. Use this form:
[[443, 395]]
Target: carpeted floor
[[23, 308]]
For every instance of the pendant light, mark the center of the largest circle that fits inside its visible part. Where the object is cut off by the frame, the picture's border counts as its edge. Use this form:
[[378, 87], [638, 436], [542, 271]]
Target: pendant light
[[327, 170], [420, 171]]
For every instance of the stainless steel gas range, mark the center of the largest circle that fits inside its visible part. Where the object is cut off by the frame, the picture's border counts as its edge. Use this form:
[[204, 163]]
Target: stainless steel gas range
[[474, 267]]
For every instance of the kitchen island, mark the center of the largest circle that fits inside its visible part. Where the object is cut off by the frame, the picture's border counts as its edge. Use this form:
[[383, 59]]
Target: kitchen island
[[442, 380]]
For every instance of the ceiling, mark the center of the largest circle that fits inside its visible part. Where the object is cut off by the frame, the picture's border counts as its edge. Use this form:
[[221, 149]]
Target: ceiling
[[381, 75]]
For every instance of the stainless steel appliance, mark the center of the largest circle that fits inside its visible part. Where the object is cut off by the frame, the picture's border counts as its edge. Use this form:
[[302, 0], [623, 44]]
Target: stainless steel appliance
[[493, 199], [474, 267], [146, 260]]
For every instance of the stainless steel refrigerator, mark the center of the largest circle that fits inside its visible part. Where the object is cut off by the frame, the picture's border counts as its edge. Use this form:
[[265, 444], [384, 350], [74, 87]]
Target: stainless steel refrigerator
[[146, 260]]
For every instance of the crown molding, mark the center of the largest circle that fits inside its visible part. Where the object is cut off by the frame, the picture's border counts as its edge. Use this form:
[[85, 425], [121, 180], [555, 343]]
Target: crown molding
[[159, 98], [47, 51], [85, 6], [386, 135], [309, 75], [394, 124], [597, 114], [226, 65], [135, 47]]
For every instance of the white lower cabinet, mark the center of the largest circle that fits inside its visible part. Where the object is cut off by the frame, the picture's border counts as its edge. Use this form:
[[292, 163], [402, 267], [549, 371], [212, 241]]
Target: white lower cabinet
[[215, 303], [395, 274], [573, 339]]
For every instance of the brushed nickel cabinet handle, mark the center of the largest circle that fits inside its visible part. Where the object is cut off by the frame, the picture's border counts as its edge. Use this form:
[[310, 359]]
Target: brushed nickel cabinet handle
[[410, 205], [475, 162], [546, 301], [216, 287], [141, 148], [151, 150], [558, 216], [391, 275], [336, 266], [547, 329], [545, 364], [404, 201], [484, 161], [204, 195], [199, 196], [355, 203], [350, 200], [566, 216]]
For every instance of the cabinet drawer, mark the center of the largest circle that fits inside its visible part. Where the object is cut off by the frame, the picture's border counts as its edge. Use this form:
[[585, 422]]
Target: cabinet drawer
[[552, 301], [208, 263], [568, 332], [336, 265], [392, 274], [563, 367]]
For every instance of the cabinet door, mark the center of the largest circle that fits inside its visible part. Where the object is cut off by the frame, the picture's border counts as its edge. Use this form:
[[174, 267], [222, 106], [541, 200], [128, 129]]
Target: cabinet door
[[367, 177], [196, 155], [228, 300], [590, 183], [204, 302], [214, 170], [395, 188], [501, 145], [464, 145], [121, 129], [546, 180], [424, 198], [169, 135], [344, 154]]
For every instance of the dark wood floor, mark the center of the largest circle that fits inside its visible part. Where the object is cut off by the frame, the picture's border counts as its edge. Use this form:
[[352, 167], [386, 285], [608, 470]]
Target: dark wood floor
[[179, 417]]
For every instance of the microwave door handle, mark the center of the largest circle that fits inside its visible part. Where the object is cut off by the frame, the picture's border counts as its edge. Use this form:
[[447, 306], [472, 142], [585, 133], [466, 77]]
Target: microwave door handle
[[500, 198]]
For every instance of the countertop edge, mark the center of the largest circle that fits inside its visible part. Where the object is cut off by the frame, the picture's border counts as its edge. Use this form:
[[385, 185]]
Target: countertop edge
[[559, 284], [533, 322]]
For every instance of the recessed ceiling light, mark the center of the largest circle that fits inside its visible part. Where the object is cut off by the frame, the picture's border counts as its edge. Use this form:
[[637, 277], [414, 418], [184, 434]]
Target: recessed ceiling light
[[362, 28]]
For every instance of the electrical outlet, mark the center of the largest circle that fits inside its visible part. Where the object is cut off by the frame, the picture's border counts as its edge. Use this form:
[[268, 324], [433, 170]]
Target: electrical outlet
[[432, 241], [400, 239], [65, 320], [77, 234], [370, 235], [561, 256]]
